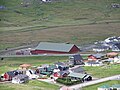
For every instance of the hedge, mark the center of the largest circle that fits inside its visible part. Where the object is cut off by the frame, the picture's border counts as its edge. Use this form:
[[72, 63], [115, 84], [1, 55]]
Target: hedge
[[67, 81]]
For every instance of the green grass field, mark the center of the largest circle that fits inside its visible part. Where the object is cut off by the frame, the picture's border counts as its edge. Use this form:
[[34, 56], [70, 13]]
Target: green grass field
[[77, 21], [32, 85], [13, 63], [95, 87], [103, 71]]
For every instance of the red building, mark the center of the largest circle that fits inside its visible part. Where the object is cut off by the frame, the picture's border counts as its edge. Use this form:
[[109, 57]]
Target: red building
[[61, 74], [9, 75], [95, 57], [55, 48]]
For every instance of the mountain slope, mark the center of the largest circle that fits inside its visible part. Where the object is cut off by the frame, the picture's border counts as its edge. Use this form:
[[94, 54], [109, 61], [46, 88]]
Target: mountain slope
[[28, 21]]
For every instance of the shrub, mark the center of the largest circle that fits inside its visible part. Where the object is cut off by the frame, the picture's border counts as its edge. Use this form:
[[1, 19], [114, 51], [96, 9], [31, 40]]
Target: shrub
[[67, 81]]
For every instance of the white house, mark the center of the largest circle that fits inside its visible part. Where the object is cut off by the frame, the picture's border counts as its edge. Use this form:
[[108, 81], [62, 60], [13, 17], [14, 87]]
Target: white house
[[46, 0], [31, 74], [20, 79]]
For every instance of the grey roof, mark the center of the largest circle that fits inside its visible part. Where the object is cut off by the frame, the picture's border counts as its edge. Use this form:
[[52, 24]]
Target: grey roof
[[63, 72], [21, 76], [93, 62], [76, 57], [98, 55], [11, 73], [118, 45], [101, 47], [78, 70], [63, 47], [116, 86], [77, 75]]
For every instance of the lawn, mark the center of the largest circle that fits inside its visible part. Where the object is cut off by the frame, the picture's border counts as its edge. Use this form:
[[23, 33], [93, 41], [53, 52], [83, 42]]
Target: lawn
[[13, 63], [103, 71], [32, 85], [95, 87]]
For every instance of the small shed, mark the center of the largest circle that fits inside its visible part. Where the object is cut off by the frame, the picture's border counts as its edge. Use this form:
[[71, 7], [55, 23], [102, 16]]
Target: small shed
[[25, 66]]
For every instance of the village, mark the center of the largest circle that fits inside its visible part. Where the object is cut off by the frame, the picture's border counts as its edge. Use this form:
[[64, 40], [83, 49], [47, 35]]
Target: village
[[70, 72]]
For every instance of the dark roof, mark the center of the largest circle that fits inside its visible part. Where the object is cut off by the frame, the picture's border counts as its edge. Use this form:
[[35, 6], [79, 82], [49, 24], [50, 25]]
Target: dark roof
[[59, 63], [118, 45], [63, 72], [13, 73], [76, 57], [63, 47], [93, 62], [2, 7], [78, 70]]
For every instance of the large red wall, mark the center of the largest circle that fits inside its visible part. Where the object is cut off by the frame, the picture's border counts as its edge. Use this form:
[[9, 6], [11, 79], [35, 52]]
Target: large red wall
[[73, 50]]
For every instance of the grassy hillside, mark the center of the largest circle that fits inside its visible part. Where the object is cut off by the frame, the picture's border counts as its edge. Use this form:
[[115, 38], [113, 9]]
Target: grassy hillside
[[30, 21]]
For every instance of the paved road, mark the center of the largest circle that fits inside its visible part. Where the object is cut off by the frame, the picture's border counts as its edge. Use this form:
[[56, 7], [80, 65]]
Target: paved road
[[39, 55], [78, 86]]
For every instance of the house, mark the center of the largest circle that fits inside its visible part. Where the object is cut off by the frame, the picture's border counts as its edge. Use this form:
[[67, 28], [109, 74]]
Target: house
[[55, 48], [31, 74], [116, 47], [117, 60], [9, 75], [107, 87], [61, 66], [93, 63], [76, 59], [100, 48], [79, 76], [112, 39], [20, 79], [115, 87], [25, 66], [95, 57], [77, 69], [46, 0], [47, 70], [112, 54], [60, 74], [104, 87]]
